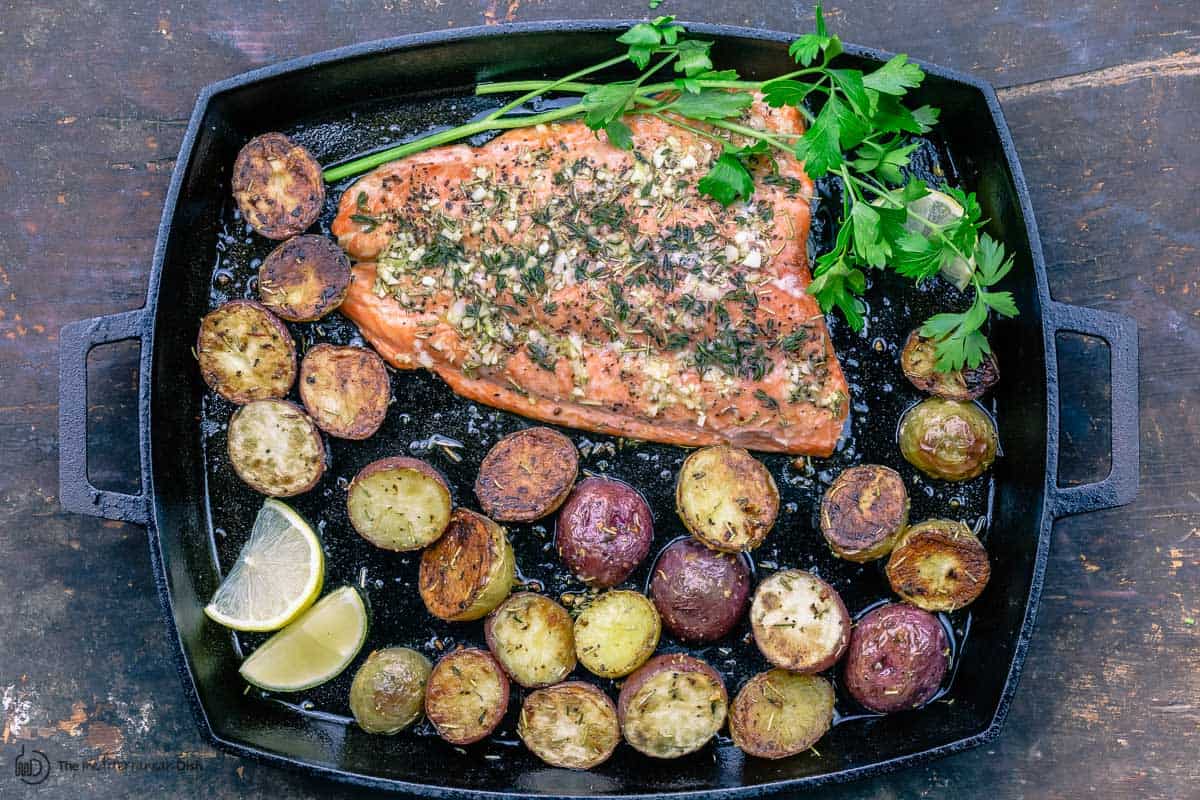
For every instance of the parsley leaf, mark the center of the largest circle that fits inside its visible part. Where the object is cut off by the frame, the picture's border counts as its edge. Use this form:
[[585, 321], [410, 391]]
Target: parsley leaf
[[693, 57], [783, 92], [619, 135], [711, 104], [820, 147], [727, 180], [895, 77], [607, 102]]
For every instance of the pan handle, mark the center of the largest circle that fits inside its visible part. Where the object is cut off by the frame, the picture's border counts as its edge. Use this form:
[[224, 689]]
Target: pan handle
[[75, 491], [1121, 484]]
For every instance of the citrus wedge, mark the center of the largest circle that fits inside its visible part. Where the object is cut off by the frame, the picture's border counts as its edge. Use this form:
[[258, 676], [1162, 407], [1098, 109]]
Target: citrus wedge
[[940, 209], [314, 648], [278, 574]]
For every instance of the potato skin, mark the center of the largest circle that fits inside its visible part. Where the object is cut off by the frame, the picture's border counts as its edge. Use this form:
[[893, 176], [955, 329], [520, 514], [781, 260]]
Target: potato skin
[[799, 621], [699, 593], [469, 570], [571, 725], [863, 512], [672, 705], [947, 439], [345, 389], [423, 532], [726, 498], [616, 633], [262, 366], [939, 565], [388, 692], [293, 465], [779, 713], [304, 278], [527, 475], [467, 696], [897, 658], [917, 360], [533, 639], [277, 185], [604, 531]]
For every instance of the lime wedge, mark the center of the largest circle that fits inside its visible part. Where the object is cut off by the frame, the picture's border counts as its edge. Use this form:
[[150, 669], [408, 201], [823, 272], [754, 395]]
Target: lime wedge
[[940, 208], [314, 648], [278, 574]]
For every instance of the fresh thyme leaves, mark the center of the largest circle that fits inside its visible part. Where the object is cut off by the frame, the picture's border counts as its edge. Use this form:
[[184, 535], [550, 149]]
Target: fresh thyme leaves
[[860, 133]]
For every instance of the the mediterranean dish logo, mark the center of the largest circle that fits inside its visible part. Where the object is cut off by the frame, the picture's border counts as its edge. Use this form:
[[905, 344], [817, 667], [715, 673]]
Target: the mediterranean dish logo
[[31, 767]]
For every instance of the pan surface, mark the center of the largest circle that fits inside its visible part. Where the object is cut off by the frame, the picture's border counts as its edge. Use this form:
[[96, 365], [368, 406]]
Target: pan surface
[[199, 514]]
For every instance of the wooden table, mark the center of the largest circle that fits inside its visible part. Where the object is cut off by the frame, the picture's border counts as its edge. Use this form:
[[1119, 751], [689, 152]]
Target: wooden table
[[1104, 102]]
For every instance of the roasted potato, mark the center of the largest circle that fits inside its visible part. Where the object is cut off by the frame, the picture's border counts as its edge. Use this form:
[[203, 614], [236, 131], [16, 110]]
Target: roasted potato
[[245, 353], [388, 692], [345, 389], [616, 633], [799, 621], [304, 278], [672, 706], [571, 725], [276, 448], [780, 713], [948, 439], [399, 503], [604, 531], [527, 475], [467, 696], [533, 639], [469, 570], [700, 593], [277, 185], [897, 658], [863, 512], [939, 565], [919, 361], [726, 498]]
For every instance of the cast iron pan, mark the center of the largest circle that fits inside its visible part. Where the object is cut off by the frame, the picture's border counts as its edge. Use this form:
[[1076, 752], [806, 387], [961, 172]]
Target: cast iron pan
[[198, 514]]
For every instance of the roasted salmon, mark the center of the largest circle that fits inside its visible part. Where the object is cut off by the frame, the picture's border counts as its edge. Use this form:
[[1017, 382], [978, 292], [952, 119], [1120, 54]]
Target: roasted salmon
[[551, 274]]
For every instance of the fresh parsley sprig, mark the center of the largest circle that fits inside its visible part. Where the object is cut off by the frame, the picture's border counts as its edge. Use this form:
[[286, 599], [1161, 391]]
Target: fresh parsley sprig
[[860, 133]]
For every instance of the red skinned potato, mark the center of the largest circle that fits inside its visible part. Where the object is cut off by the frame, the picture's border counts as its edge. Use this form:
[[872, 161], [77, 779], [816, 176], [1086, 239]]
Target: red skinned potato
[[466, 696], [672, 705], [604, 531], [897, 658], [799, 621], [699, 593]]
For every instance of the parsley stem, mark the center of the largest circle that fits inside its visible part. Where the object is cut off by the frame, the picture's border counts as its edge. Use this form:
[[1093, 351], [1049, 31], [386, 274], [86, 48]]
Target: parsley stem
[[534, 92]]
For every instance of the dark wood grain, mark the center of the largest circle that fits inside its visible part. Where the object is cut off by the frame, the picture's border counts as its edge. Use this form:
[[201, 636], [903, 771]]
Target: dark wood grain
[[1104, 103]]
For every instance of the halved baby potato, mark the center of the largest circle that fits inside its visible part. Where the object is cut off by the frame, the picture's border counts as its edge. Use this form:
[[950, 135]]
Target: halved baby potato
[[799, 621], [304, 278], [532, 638], [469, 570], [918, 360], [388, 692], [939, 565], [276, 448], [245, 353], [780, 713], [672, 706], [571, 725], [466, 696], [399, 503], [726, 498], [616, 633], [527, 475], [864, 511], [345, 389], [277, 185]]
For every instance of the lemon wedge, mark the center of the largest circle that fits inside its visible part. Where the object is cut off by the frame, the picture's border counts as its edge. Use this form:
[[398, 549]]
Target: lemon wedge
[[940, 208]]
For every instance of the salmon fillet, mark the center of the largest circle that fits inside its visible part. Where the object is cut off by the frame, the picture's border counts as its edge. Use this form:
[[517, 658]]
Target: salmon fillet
[[553, 275]]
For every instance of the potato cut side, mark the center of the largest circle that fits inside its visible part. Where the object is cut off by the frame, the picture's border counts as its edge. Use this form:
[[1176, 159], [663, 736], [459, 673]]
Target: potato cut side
[[799, 621], [276, 448], [616, 633], [726, 498], [673, 705], [245, 353], [527, 475], [864, 511], [939, 565], [399, 503], [918, 360], [779, 713], [277, 186], [345, 389], [469, 570], [304, 278], [466, 696], [571, 725], [533, 639]]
